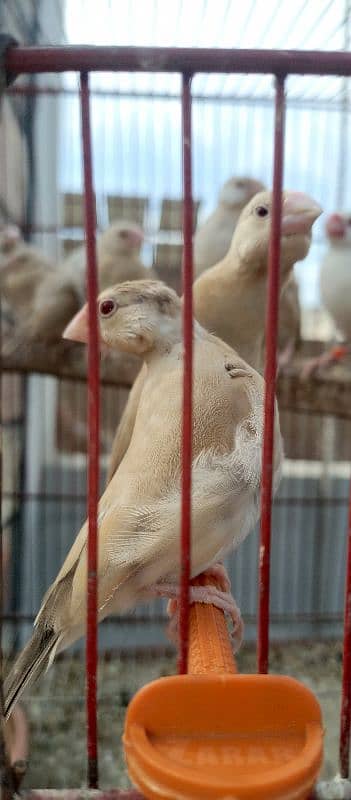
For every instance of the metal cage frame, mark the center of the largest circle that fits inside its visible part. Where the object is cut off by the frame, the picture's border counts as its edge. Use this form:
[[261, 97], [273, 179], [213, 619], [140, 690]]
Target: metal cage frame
[[187, 62]]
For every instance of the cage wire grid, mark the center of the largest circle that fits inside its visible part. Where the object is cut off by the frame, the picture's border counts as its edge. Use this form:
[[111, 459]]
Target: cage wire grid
[[84, 59]]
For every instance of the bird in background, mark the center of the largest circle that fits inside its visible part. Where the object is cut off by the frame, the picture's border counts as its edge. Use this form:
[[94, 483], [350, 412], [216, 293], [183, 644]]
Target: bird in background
[[335, 289], [211, 244], [61, 295], [22, 268], [139, 512], [118, 257], [230, 298], [213, 237]]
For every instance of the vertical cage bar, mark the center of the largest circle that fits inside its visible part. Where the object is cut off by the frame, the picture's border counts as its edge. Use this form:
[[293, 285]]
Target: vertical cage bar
[[93, 444], [345, 718], [270, 380], [6, 778], [186, 455]]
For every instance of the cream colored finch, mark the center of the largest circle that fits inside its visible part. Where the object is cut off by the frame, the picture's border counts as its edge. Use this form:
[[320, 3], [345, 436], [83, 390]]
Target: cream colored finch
[[213, 237], [139, 512], [230, 298], [118, 257], [335, 287], [211, 244], [60, 296], [22, 268]]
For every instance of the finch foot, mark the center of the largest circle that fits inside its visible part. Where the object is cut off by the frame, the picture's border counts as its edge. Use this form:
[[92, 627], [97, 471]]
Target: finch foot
[[210, 595]]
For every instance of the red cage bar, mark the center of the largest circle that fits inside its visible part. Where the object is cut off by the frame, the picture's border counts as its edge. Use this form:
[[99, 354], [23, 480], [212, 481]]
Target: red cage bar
[[270, 381], [93, 445], [188, 62], [176, 59]]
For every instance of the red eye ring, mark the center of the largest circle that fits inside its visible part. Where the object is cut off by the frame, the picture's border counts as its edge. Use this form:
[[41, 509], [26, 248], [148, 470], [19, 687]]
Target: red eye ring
[[107, 307]]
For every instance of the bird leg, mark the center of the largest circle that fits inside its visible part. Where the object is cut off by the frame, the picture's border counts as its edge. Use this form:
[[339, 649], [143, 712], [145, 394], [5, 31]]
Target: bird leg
[[285, 356], [219, 596], [332, 356]]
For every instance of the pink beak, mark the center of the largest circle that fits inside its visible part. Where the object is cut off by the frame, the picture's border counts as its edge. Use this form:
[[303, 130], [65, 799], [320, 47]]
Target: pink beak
[[335, 226], [136, 237], [78, 328], [299, 213]]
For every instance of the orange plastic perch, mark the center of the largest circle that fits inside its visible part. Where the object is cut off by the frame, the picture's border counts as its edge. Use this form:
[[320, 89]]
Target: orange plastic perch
[[217, 735]]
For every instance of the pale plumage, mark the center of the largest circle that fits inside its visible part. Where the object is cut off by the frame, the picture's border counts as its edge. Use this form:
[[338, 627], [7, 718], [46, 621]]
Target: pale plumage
[[211, 244], [335, 288], [60, 296], [230, 298], [118, 258], [139, 513], [213, 237], [335, 274], [289, 328], [22, 268]]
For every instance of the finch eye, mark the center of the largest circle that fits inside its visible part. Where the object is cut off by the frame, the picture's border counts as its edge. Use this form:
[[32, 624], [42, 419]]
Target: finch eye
[[261, 211], [107, 307]]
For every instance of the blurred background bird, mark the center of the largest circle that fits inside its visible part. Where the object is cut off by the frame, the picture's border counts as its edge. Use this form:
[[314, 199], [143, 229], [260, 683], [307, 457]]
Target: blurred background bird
[[23, 268], [139, 512], [61, 294], [211, 244], [213, 237], [230, 298], [335, 289]]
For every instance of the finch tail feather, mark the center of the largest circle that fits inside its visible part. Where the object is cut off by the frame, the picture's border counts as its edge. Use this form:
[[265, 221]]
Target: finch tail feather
[[32, 661]]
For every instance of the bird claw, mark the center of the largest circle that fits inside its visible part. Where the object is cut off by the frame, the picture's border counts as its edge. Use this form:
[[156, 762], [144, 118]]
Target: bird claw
[[209, 595], [219, 596], [219, 573]]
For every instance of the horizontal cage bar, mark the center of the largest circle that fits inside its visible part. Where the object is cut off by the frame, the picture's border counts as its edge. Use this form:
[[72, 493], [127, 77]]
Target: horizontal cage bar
[[184, 60]]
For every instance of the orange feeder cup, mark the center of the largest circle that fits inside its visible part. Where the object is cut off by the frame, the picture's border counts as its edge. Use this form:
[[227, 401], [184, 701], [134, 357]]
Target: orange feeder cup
[[217, 735]]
